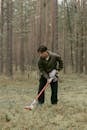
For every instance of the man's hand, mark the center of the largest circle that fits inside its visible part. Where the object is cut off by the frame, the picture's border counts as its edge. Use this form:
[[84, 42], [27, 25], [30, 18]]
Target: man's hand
[[52, 73], [49, 80]]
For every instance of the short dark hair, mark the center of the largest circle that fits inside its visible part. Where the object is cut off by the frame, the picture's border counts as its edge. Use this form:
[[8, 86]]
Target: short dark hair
[[42, 49]]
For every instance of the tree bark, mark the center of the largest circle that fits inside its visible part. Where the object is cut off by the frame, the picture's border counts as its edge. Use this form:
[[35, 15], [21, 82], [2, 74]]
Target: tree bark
[[1, 36], [9, 64]]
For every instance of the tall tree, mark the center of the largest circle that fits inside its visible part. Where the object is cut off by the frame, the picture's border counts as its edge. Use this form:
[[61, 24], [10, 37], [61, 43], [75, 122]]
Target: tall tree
[[9, 65], [1, 36], [22, 35], [64, 34], [84, 3], [70, 33], [54, 25]]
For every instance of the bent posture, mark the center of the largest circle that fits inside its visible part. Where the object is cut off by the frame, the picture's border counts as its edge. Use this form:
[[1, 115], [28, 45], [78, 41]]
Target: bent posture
[[49, 64]]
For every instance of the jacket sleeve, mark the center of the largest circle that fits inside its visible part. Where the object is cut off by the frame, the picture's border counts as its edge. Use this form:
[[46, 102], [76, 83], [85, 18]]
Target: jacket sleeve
[[60, 62], [42, 71]]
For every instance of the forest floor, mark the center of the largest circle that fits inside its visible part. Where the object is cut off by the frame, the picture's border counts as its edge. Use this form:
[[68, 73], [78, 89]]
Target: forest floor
[[69, 114]]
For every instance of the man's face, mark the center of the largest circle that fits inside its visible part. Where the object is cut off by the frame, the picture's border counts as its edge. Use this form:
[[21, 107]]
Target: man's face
[[43, 54]]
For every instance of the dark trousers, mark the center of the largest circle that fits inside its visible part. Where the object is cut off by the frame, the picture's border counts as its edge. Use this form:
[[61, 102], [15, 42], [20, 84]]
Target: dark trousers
[[54, 91]]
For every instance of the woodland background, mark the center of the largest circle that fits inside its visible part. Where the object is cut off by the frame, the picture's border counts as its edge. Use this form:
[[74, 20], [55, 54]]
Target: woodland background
[[26, 24]]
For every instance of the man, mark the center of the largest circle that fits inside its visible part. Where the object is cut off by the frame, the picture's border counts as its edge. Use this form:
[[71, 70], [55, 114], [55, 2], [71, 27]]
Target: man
[[48, 66]]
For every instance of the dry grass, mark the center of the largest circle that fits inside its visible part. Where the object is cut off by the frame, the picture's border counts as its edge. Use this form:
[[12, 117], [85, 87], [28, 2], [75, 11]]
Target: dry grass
[[69, 114]]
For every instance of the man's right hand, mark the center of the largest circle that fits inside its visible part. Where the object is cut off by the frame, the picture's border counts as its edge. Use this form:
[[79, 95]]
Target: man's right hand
[[52, 73]]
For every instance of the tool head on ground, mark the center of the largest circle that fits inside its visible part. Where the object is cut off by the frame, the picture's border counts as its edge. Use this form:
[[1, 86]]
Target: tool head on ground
[[30, 107]]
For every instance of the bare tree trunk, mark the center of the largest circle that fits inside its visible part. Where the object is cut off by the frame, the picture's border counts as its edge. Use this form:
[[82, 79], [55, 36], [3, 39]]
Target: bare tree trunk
[[9, 65], [76, 53], [1, 36], [81, 49], [22, 38], [15, 53], [86, 52], [85, 33], [64, 36], [70, 31], [55, 25], [42, 22]]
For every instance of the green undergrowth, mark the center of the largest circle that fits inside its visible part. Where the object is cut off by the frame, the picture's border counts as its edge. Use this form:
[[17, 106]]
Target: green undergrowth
[[69, 114]]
